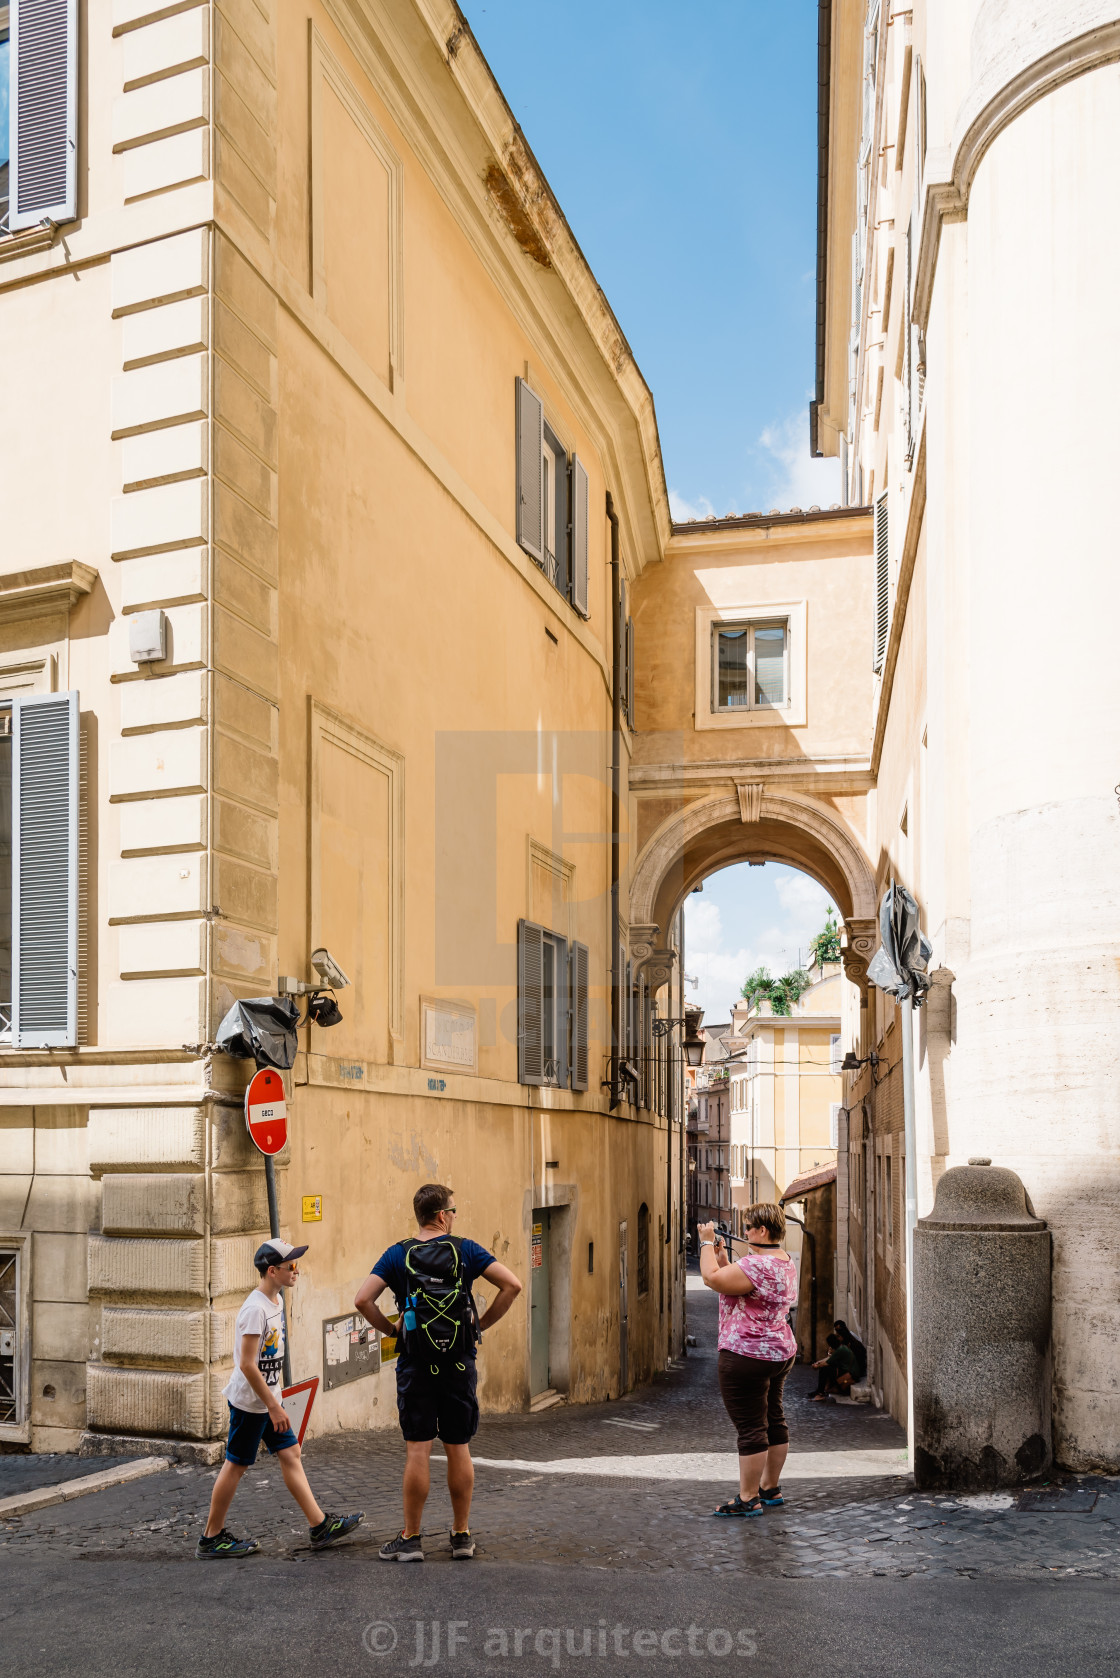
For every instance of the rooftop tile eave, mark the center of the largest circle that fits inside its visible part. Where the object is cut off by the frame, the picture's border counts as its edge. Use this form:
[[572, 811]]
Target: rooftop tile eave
[[757, 521]]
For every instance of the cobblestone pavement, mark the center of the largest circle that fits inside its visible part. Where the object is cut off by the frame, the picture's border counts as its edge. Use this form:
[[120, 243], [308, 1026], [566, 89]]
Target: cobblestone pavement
[[840, 1528]]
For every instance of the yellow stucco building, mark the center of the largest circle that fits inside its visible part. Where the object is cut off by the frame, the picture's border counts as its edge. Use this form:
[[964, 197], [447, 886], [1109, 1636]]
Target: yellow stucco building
[[341, 607], [336, 472], [784, 1075]]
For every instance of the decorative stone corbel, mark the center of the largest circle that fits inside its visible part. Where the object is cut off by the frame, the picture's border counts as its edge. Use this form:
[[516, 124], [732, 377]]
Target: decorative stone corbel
[[750, 800], [652, 962], [857, 946]]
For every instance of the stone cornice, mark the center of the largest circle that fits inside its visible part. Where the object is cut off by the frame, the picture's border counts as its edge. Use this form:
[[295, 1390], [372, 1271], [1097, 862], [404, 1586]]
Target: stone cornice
[[43, 589], [493, 186], [825, 776], [1024, 60]]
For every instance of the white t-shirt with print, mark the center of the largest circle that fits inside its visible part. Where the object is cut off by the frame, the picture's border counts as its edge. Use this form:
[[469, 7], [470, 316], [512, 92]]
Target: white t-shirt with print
[[263, 1316]]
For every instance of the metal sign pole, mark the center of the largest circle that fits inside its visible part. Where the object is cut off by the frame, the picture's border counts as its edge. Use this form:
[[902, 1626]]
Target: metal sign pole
[[911, 1143], [274, 1231]]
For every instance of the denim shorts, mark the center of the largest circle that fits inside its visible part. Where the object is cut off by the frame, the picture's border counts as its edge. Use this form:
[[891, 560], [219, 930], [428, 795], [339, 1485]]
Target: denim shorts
[[247, 1429]]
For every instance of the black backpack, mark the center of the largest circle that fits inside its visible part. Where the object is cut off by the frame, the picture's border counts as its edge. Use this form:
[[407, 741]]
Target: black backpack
[[440, 1317]]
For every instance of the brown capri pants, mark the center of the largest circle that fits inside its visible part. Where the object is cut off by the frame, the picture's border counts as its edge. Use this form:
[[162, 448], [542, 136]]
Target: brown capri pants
[[751, 1389]]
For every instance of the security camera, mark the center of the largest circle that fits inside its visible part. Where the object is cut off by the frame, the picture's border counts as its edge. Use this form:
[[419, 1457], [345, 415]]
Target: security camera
[[328, 969]]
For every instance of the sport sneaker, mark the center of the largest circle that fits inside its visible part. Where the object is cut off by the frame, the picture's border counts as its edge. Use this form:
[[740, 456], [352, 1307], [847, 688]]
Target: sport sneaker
[[401, 1548], [462, 1546], [224, 1547], [333, 1527]]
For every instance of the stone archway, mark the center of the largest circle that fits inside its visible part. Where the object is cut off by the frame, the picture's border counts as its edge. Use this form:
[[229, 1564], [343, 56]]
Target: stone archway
[[754, 825]]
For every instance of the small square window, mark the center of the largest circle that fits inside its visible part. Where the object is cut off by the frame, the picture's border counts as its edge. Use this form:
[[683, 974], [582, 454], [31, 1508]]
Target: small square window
[[750, 666]]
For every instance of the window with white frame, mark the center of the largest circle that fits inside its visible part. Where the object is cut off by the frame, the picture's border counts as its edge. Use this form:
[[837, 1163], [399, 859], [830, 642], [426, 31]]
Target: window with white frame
[[5, 119], [552, 1008], [750, 666], [834, 1054], [38, 113], [552, 502]]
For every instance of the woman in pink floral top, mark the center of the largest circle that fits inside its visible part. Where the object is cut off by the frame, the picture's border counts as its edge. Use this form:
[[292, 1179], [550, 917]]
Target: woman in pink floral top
[[756, 1350]]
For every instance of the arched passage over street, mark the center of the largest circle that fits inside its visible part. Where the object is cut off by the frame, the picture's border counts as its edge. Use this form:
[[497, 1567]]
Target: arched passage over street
[[713, 832], [738, 761]]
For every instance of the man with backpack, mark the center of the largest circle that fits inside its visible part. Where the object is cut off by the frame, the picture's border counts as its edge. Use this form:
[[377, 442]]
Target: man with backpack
[[431, 1276]]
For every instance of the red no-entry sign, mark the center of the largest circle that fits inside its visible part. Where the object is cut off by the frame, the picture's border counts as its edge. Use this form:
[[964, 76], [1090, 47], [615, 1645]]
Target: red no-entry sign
[[266, 1112]]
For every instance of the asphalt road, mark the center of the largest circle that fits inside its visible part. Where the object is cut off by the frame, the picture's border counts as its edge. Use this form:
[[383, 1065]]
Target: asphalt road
[[334, 1613], [581, 1567]]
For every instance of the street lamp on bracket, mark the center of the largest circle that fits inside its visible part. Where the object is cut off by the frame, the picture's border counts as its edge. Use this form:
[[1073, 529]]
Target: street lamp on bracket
[[693, 1046]]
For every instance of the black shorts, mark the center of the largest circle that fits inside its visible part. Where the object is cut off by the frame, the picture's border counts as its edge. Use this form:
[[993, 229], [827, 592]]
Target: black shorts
[[442, 1404]]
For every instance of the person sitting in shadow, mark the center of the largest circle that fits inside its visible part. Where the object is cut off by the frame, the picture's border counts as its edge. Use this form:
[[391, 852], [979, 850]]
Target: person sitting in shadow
[[859, 1350], [837, 1371]]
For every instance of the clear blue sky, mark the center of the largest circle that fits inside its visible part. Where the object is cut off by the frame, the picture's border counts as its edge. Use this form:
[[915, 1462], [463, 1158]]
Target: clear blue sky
[[680, 141]]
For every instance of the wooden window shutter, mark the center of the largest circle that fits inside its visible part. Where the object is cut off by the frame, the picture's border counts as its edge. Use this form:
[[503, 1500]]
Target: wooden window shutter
[[530, 1003], [530, 481], [580, 981], [44, 112], [882, 582], [580, 524], [45, 772], [630, 673]]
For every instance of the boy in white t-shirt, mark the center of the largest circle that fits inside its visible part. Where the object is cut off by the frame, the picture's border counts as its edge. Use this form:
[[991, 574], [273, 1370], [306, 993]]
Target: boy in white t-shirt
[[256, 1413]]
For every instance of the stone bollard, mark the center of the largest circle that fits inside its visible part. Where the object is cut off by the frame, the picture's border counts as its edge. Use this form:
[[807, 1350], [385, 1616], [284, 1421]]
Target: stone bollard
[[981, 1334]]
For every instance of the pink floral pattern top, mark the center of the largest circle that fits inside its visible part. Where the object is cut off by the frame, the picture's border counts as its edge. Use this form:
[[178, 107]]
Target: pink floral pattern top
[[754, 1324]]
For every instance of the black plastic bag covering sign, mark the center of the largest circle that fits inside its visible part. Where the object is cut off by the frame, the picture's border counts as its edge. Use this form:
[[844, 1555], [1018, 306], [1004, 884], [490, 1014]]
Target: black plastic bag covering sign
[[262, 1028], [899, 966]]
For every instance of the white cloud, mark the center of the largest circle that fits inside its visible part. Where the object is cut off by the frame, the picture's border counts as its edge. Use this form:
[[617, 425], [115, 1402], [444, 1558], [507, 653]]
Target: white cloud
[[705, 927], [791, 475], [682, 510], [801, 895], [778, 946]]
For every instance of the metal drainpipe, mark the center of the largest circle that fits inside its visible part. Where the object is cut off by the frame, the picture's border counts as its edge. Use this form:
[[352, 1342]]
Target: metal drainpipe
[[616, 795]]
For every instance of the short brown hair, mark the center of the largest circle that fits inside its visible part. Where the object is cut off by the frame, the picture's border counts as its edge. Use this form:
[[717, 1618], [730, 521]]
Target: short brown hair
[[765, 1215], [429, 1200]]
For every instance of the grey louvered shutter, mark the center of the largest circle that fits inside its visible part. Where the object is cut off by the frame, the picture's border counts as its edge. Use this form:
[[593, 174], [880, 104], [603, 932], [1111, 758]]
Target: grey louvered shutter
[[530, 1003], [882, 581], [44, 112], [562, 1012], [530, 484], [45, 770], [580, 523], [630, 672], [579, 969]]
